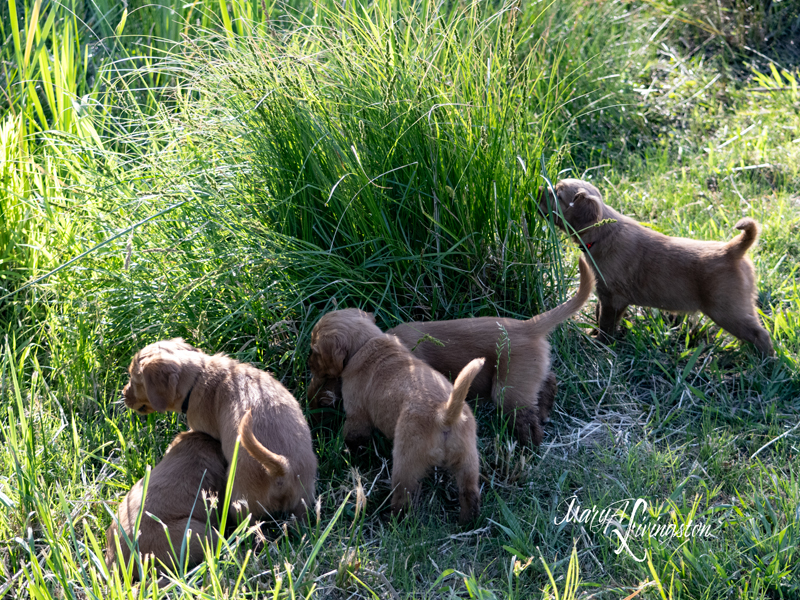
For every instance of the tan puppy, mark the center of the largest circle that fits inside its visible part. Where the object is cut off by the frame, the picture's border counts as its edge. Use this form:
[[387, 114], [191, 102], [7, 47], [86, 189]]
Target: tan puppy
[[323, 394], [517, 371], [385, 387], [191, 472], [216, 393], [639, 266]]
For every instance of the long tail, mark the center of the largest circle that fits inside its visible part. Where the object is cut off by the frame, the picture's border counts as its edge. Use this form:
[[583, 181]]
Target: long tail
[[737, 247], [275, 464], [544, 323], [455, 404]]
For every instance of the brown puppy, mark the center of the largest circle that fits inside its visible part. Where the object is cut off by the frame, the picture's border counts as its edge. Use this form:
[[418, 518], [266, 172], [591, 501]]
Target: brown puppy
[[191, 472], [639, 266], [324, 394], [517, 372], [385, 387], [216, 393]]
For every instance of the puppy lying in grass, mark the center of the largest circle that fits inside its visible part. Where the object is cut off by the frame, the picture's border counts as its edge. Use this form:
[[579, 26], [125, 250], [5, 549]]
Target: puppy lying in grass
[[178, 493], [636, 265], [385, 387], [220, 396], [517, 372]]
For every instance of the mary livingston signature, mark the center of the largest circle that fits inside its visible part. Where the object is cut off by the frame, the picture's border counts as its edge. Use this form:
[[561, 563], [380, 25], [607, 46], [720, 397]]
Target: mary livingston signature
[[624, 526]]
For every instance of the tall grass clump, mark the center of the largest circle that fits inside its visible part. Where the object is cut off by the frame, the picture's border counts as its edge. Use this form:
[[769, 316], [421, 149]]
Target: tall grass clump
[[386, 156], [47, 78]]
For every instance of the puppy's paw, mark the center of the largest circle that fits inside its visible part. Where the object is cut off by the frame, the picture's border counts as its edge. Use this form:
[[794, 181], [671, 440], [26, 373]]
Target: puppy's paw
[[470, 507], [528, 427], [401, 504], [601, 336], [355, 443]]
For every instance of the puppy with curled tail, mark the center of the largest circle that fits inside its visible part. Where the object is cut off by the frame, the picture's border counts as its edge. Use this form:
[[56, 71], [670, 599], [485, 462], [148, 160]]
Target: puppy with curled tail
[[517, 373], [275, 464], [218, 395], [455, 404], [738, 246], [638, 266], [385, 387]]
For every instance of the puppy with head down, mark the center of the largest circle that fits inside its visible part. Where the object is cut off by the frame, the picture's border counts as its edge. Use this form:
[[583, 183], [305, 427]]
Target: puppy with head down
[[324, 394], [179, 493], [225, 398], [638, 266], [385, 387], [517, 373]]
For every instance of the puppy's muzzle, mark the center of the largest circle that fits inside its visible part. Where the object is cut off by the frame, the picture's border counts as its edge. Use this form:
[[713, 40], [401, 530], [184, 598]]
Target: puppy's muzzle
[[143, 408]]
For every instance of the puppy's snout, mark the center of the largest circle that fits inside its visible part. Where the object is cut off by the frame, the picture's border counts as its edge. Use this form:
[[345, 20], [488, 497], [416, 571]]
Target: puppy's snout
[[125, 392]]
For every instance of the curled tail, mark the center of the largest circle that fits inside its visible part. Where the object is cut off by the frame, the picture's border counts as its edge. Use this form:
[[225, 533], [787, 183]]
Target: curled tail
[[737, 247], [455, 404], [544, 323], [275, 464]]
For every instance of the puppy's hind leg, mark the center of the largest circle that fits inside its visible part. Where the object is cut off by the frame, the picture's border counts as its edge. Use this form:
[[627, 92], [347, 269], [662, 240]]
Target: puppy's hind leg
[[304, 509], [745, 326], [410, 463], [547, 397], [467, 472], [519, 399]]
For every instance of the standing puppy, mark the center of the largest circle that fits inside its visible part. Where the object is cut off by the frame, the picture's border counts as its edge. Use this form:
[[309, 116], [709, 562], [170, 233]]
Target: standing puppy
[[517, 372], [191, 472], [219, 395], [385, 387], [639, 266]]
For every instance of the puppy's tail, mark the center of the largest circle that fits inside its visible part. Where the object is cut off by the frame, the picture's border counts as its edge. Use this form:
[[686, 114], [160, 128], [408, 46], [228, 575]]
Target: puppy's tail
[[544, 323], [275, 464], [455, 404], [737, 247]]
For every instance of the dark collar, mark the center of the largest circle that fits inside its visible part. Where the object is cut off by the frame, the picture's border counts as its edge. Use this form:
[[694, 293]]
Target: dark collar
[[589, 246], [185, 405]]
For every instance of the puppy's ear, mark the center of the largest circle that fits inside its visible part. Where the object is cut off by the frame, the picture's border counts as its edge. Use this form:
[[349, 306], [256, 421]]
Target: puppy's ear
[[332, 350], [160, 382], [585, 210], [371, 316], [180, 344]]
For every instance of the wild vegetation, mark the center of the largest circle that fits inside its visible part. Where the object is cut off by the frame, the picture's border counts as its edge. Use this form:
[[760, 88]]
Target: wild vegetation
[[227, 172]]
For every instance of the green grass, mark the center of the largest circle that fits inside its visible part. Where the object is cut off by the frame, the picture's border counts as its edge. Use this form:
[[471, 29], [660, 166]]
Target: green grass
[[293, 158]]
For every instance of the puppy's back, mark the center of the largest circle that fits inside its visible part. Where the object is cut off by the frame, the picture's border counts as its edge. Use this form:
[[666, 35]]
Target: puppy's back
[[277, 423], [193, 464], [384, 379]]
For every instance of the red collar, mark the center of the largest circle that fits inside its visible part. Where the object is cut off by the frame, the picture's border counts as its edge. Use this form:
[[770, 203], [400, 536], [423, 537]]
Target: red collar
[[589, 246]]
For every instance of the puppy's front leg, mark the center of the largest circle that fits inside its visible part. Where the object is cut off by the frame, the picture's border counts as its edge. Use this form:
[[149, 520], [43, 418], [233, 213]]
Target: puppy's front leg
[[357, 430], [609, 317]]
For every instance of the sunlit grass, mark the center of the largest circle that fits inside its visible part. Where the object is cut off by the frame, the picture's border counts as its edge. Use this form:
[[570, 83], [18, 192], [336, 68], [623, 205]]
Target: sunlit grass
[[309, 156]]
